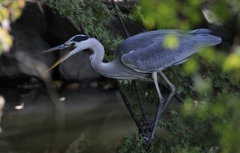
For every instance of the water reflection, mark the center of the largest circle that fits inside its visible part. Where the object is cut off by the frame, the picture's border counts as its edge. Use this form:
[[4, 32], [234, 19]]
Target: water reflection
[[95, 121]]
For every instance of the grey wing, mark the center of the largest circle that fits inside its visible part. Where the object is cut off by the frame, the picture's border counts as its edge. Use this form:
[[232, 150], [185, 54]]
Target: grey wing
[[145, 52], [141, 40], [155, 57]]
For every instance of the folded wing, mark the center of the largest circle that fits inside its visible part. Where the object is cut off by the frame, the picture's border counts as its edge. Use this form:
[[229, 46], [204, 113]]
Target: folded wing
[[154, 56]]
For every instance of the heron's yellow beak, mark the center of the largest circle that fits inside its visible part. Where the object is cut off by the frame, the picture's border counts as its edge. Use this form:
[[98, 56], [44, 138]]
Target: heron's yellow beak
[[63, 58], [60, 47]]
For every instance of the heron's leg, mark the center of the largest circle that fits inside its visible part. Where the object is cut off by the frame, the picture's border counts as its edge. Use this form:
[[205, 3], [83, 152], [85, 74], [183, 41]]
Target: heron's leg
[[172, 87], [160, 106]]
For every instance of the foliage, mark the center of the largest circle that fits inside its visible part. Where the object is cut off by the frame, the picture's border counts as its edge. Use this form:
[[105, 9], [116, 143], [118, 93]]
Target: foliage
[[209, 81], [182, 14], [169, 13], [218, 103], [9, 11], [94, 17], [133, 143]]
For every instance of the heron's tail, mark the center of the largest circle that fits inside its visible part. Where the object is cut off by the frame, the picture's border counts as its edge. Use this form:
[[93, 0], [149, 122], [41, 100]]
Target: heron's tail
[[204, 37]]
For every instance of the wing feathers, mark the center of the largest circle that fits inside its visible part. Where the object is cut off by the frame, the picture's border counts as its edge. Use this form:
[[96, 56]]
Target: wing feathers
[[155, 57]]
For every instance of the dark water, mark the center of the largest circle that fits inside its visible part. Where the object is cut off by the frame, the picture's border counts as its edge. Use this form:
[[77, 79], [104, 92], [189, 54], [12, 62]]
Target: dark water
[[96, 120]]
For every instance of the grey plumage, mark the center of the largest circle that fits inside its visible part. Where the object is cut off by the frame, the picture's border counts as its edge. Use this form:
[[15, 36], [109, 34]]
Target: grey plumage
[[143, 56], [150, 55]]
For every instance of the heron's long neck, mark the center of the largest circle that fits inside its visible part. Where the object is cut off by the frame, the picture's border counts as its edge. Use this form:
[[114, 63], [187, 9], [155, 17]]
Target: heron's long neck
[[97, 58]]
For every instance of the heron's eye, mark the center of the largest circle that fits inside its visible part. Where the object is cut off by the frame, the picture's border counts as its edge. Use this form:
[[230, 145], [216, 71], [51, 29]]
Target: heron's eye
[[70, 44]]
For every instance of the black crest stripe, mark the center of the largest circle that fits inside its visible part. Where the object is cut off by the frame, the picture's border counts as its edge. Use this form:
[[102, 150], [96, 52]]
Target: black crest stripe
[[79, 38]]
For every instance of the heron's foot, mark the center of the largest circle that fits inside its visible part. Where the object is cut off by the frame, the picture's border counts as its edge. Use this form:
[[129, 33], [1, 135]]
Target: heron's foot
[[146, 125], [148, 130], [151, 126], [148, 139]]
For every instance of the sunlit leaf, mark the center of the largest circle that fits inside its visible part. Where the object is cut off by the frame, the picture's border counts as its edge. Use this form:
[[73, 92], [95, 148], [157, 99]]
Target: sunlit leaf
[[149, 22], [232, 62], [4, 14], [219, 109], [194, 2], [188, 106], [203, 109], [202, 85], [9, 11], [21, 3], [190, 66], [171, 41], [208, 54]]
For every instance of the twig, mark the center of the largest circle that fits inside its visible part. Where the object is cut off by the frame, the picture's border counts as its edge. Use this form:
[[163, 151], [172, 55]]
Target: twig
[[129, 106], [120, 19]]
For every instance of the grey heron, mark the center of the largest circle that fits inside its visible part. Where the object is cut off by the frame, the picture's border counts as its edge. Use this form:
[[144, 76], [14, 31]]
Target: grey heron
[[142, 56]]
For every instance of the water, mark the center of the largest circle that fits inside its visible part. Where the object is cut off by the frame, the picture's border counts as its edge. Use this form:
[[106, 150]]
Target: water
[[96, 120]]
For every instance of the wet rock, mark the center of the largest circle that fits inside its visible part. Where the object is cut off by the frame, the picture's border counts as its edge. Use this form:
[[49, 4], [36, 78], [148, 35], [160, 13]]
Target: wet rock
[[28, 33], [78, 68], [36, 31]]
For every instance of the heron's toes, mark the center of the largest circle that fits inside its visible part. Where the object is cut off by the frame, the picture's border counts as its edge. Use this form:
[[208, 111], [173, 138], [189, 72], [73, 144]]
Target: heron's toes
[[146, 138]]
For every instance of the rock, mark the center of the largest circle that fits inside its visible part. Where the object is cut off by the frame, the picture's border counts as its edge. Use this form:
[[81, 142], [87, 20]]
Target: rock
[[28, 33], [36, 31], [78, 68]]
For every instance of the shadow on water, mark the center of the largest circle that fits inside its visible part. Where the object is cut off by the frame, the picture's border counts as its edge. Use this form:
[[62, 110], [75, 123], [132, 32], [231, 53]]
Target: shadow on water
[[95, 121]]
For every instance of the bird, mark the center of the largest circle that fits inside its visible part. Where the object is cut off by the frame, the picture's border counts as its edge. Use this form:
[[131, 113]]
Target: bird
[[142, 57]]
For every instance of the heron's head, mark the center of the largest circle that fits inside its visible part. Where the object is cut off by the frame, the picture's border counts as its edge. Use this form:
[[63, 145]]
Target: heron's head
[[77, 43]]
